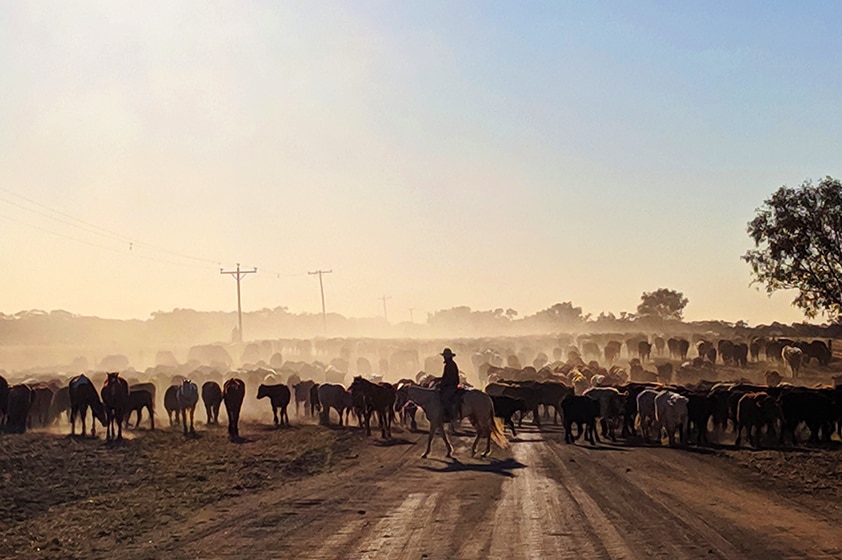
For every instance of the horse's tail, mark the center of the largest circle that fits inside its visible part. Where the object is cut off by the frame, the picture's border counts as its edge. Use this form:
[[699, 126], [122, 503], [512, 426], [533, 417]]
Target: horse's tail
[[497, 432]]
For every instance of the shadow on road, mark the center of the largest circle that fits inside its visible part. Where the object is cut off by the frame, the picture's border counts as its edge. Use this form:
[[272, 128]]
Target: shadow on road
[[392, 442], [503, 467]]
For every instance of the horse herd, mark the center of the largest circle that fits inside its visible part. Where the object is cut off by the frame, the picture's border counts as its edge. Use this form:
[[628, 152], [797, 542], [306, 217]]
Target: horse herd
[[573, 392], [370, 400]]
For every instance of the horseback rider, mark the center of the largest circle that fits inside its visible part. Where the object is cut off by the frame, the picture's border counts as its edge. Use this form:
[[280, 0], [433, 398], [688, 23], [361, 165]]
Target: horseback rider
[[449, 386]]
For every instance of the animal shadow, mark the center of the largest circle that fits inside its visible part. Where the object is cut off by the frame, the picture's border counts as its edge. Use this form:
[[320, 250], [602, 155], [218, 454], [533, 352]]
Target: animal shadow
[[503, 467], [393, 442]]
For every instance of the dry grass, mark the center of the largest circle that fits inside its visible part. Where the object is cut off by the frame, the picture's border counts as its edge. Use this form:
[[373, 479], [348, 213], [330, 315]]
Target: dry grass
[[808, 471], [72, 497]]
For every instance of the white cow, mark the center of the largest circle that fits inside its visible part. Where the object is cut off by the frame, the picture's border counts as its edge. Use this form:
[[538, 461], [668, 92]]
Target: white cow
[[611, 404], [671, 414], [793, 355], [646, 412]]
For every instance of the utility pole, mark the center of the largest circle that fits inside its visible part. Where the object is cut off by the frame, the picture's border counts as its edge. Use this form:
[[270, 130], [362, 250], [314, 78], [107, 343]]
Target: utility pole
[[411, 309], [322, 288], [383, 299], [239, 275]]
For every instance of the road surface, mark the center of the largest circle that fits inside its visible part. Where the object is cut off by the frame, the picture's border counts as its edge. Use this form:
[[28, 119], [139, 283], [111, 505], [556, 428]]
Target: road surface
[[540, 498]]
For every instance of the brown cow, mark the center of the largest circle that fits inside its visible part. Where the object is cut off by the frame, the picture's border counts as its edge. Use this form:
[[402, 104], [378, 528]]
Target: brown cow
[[42, 400], [753, 412]]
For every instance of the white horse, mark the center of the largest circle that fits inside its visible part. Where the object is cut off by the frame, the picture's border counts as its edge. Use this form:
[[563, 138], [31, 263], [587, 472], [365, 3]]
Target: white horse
[[476, 405]]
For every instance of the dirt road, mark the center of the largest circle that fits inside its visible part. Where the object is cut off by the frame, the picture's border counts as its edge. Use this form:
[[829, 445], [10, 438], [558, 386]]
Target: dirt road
[[538, 499]]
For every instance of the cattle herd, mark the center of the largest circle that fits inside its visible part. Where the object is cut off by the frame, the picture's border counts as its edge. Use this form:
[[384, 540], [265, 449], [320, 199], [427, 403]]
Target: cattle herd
[[641, 388]]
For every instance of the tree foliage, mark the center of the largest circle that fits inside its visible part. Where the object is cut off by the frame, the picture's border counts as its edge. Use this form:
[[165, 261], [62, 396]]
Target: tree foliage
[[558, 315], [798, 245], [662, 304]]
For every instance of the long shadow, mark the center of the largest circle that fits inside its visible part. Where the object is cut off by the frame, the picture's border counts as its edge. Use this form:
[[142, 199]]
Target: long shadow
[[392, 442], [517, 439], [502, 467]]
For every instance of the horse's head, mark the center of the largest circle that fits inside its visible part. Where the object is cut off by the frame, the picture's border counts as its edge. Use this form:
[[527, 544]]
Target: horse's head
[[98, 410]]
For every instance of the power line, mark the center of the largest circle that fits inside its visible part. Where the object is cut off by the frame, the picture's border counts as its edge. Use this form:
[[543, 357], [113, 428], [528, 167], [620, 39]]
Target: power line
[[130, 243], [93, 228], [99, 246]]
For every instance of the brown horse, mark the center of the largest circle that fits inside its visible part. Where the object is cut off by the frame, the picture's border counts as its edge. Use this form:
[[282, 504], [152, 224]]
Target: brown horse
[[82, 396], [378, 398], [233, 393], [115, 396]]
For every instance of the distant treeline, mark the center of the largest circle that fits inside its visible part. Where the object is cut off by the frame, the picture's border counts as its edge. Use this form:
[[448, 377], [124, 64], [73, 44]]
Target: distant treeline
[[187, 327]]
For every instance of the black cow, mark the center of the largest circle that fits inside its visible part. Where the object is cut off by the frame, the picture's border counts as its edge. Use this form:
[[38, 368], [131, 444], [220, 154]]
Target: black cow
[[19, 401], [233, 393], [315, 405], [138, 400], [212, 399], [505, 407], [583, 411], [171, 405], [753, 412], [799, 404], [302, 395], [279, 397]]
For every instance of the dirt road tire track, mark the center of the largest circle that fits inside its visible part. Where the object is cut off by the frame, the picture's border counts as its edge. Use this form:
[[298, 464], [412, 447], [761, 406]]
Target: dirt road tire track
[[539, 499]]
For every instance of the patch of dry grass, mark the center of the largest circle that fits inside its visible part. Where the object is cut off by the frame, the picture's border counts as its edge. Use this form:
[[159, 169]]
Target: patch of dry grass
[[71, 496]]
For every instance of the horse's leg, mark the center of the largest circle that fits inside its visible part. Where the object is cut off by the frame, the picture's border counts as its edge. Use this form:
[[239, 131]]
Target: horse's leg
[[73, 422], [429, 441], [192, 429], [151, 418], [119, 424], [184, 420], [275, 413], [476, 442], [383, 417], [446, 441]]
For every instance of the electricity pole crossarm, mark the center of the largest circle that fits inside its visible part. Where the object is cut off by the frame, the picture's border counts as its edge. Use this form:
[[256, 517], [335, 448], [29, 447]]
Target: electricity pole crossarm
[[239, 275], [322, 289]]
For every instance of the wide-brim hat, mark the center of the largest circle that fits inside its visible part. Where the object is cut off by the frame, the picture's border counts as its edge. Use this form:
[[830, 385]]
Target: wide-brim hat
[[447, 353]]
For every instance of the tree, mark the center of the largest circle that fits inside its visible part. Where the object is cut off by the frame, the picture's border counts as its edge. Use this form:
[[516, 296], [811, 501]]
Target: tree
[[662, 305], [557, 316], [798, 245]]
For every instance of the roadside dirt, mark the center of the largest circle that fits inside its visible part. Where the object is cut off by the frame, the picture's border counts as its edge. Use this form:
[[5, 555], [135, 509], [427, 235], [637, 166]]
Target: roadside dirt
[[319, 493]]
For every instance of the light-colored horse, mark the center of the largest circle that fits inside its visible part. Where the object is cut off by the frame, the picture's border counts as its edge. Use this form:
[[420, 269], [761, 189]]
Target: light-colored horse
[[476, 406]]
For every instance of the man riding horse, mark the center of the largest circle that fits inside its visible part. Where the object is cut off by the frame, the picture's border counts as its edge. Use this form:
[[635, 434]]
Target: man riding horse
[[449, 387]]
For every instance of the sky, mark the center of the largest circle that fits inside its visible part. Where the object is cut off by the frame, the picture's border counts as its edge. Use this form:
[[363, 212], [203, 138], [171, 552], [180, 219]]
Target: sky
[[488, 154]]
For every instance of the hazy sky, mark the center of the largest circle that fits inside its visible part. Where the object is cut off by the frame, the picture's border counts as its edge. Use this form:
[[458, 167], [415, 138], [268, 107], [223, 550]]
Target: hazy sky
[[489, 154]]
